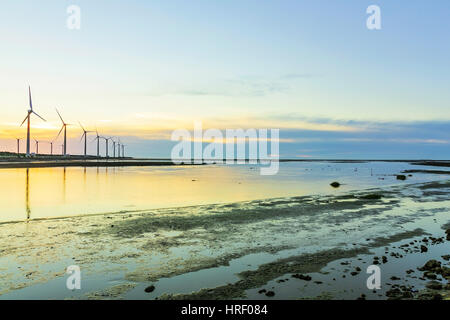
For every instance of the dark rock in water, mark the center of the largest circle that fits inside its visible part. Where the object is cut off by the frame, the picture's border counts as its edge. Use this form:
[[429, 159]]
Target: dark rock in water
[[358, 269], [431, 265], [372, 196], [302, 277], [395, 278], [401, 177], [335, 184], [384, 259], [150, 289], [270, 293], [318, 282], [361, 297], [434, 285], [429, 275], [448, 234], [375, 262], [354, 273], [397, 293], [423, 249], [262, 291], [409, 271], [446, 257]]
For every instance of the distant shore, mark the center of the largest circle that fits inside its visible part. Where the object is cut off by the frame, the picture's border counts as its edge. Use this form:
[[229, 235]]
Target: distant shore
[[11, 161]]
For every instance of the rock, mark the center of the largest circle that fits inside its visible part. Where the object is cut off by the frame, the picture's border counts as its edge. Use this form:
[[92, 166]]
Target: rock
[[409, 271], [262, 291], [302, 277], [335, 184], [446, 257], [401, 177], [354, 273], [150, 289], [270, 293], [423, 249], [434, 285], [372, 196], [395, 278], [431, 265], [361, 297], [429, 275], [384, 259]]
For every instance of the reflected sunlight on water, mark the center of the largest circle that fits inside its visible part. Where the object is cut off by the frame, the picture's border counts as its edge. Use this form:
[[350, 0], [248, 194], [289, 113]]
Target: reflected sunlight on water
[[56, 192]]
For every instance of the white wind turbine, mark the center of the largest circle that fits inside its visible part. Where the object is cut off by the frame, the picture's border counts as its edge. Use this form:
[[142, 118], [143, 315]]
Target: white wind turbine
[[27, 118], [98, 143], [64, 126], [85, 132]]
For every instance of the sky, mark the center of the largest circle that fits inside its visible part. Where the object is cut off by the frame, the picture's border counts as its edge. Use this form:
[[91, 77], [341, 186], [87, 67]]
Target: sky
[[140, 69]]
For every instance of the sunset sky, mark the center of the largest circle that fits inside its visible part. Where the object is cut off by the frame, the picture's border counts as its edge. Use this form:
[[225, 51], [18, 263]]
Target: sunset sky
[[140, 69]]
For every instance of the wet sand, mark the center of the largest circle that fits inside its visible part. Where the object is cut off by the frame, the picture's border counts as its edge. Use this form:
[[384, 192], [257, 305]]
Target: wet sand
[[263, 249]]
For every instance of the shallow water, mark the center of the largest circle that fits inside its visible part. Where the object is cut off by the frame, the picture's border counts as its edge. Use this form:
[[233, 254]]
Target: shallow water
[[58, 192]]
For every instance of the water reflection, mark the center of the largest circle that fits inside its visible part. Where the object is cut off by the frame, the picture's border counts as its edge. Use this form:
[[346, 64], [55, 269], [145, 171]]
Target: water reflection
[[58, 192], [27, 195]]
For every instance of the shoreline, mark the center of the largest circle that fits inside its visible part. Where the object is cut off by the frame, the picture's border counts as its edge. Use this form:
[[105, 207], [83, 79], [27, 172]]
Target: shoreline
[[90, 161]]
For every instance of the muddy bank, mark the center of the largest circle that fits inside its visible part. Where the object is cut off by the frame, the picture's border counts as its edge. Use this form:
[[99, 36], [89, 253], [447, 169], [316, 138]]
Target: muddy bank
[[131, 251]]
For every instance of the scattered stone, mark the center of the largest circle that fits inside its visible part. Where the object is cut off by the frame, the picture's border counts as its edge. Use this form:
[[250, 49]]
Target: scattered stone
[[423, 249], [302, 277], [434, 285], [446, 257], [150, 289], [372, 196], [262, 291], [270, 293], [431, 265], [429, 275], [401, 177], [335, 184], [394, 278]]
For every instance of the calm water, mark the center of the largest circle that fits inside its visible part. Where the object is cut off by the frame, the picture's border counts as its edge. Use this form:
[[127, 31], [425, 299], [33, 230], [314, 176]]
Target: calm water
[[57, 192]]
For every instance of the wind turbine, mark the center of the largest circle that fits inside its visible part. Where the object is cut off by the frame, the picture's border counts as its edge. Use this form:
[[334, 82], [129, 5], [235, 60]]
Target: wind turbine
[[18, 145], [85, 138], [51, 147], [64, 126], [106, 140], [123, 151], [118, 147], [98, 143], [37, 146], [27, 118], [114, 148]]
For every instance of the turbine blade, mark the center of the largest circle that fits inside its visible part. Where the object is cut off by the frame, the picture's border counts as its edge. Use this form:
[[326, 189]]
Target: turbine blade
[[81, 126], [59, 132], [39, 116], [29, 95], [24, 120], [82, 136], [60, 116]]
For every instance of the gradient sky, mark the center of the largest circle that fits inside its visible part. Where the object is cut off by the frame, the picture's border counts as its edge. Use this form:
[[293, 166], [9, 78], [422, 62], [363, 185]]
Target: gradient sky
[[140, 69]]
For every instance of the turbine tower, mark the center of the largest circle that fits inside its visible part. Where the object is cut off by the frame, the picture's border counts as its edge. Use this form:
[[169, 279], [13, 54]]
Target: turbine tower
[[64, 126], [37, 146], [18, 145], [98, 143], [106, 140], [27, 118], [114, 148], [85, 138]]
